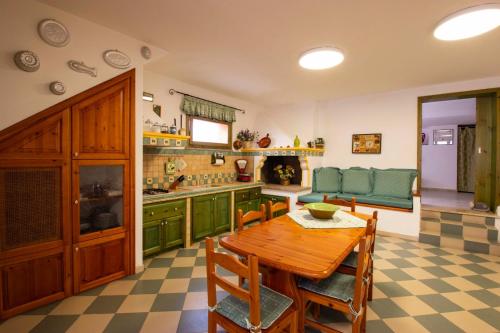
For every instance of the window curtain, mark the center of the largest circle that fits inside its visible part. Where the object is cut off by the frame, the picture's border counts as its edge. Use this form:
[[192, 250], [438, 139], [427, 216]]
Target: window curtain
[[193, 106], [465, 158]]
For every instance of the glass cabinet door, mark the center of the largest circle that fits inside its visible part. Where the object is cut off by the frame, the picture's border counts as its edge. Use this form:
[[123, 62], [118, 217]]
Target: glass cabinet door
[[101, 197]]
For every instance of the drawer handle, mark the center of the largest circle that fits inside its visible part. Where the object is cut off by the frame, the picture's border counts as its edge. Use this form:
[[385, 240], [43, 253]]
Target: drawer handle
[[176, 209], [76, 202], [152, 213]]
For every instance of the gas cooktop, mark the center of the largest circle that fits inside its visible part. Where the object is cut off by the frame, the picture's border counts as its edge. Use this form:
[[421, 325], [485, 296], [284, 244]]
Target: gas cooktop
[[154, 191]]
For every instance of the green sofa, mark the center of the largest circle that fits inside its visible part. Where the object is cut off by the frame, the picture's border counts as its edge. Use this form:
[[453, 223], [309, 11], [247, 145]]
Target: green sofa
[[381, 187]]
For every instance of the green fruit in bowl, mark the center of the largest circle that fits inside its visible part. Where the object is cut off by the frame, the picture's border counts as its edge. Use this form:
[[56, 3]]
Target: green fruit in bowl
[[321, 210]]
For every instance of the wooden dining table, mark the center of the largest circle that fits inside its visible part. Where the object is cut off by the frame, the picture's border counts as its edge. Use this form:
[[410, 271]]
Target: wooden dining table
[[290, 251]]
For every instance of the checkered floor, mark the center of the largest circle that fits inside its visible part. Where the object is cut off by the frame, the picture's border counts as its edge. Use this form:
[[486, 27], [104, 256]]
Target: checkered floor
[[418, 288]]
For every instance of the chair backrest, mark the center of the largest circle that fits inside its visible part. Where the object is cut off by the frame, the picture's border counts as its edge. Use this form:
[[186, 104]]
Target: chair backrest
[[364, 265], [251, 216], [341, 202], [277, 207], [230, 263], [375, 219]]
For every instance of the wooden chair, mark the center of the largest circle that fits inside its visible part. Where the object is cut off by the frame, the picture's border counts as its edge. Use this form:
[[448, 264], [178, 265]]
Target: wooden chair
[[349, 265], [277, 207], [341, 202], [251, 216], [342, 292], [245, 310], [246, 218]]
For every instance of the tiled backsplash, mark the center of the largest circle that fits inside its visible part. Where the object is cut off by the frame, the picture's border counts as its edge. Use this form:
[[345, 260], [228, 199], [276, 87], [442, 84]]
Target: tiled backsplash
[[199, 170]]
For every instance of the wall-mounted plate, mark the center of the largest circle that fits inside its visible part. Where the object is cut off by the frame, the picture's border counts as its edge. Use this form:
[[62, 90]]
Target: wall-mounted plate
[[57, 88], [116, 59], [27, 61], [53, 32]]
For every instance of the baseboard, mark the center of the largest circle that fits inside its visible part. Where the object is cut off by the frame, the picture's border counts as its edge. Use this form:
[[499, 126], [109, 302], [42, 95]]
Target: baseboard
[[393, 234]]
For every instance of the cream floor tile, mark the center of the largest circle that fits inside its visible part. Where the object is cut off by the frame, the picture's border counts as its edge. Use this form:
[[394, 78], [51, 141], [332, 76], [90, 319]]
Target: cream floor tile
[[413, 306], [377, 293], [420, 262], [456, 260], [391, 246], [378, 276], [202, 253], [461, 283], [383, 264], [120, 287], [452, 249], [459, 270], [418, 273], [174, 286], [90, 323], [183, 262], [385, 254], [494, 266], [147, 261], [495, 277], [465, 301], [199, 272], [405, 324], [195, 301], [371, 315], [154, 274], [20, 324], [416, 287], [73, 305], [137, 303], [161, 322], [421, 252], [495, 291], [468, 322]]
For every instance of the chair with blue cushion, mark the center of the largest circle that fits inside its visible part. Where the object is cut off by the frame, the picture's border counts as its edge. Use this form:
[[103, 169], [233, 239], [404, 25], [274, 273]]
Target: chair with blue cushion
[[342, 292], [251, 308], [349, 264], [341, 202]]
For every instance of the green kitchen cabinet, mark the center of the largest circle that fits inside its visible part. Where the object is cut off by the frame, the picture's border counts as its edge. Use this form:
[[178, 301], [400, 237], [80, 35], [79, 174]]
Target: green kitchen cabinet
[[163, 226], [210, 215], [247, 200], [265, 198]]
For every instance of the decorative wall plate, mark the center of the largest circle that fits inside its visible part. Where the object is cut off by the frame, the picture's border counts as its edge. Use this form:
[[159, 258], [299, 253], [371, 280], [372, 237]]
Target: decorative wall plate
[[57, 88], [80, 67], [146, 52], [27, 61], [116, 59], [53, 32]]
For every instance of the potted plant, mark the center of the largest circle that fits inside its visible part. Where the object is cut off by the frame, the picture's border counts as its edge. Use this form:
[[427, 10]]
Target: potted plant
[[247, 137], [284, 173]]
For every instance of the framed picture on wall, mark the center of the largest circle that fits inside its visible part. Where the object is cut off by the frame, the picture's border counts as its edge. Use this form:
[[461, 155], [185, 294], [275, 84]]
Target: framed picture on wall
[[367, 143]]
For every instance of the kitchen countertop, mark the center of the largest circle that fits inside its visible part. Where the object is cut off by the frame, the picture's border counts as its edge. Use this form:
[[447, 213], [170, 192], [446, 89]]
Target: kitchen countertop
[[286, 188], [193, 191]]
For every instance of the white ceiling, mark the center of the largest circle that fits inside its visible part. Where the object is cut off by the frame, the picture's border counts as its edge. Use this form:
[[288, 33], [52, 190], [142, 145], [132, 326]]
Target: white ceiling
[[250, 49], [453, 112]]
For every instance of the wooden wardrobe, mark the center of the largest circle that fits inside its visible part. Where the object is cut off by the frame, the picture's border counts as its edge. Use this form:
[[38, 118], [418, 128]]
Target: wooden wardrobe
[[67, 197]]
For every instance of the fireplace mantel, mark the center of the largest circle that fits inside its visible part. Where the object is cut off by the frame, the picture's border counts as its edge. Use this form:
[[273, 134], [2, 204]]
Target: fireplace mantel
[[289, 151]]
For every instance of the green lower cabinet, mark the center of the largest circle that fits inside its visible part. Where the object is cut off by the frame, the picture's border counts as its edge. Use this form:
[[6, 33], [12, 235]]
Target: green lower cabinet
[[210, 215], [241, 205], [151, 237], [172, 232], [163, 226], [254, 204], [246, 200], [222, 211]]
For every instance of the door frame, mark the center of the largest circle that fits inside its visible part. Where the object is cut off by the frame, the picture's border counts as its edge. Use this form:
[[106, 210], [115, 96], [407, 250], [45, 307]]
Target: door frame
[[493, 92]]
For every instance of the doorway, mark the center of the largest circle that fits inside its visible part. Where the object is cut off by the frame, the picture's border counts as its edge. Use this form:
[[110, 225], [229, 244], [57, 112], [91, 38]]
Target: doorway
[[458, 162]]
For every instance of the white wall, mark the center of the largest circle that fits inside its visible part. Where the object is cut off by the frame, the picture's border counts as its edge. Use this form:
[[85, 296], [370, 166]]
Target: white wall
[[439, 162], [159, 85], [24, 94]]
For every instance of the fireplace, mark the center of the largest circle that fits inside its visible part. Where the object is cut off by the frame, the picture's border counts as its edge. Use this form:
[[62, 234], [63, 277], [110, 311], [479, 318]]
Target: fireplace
[[269, 176]]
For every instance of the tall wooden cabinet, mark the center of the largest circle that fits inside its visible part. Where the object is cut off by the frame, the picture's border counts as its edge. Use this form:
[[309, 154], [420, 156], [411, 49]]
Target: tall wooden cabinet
[[66, 197]]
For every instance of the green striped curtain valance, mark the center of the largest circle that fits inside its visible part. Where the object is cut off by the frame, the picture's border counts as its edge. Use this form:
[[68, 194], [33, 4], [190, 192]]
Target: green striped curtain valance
[[193, 106]]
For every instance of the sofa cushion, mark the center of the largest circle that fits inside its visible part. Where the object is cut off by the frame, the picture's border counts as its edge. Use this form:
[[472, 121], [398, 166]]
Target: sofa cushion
[[385, 201], [327, 180], [393, 183], [312, 197], [356, 180]]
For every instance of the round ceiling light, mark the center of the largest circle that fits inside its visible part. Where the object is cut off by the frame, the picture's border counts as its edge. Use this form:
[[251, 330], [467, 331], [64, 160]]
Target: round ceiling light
[[469, 22], [321, 58]]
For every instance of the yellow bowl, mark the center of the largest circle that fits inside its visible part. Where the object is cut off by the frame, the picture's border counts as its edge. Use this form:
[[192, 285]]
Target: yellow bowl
[[321, 210]]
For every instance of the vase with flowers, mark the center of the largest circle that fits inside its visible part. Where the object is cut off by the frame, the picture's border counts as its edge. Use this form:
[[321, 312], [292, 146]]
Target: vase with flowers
[[247, 137], [284, 173]]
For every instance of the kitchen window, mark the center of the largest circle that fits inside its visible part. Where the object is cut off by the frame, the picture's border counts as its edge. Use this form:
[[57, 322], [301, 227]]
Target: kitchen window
[[207, 133], [443, 137]]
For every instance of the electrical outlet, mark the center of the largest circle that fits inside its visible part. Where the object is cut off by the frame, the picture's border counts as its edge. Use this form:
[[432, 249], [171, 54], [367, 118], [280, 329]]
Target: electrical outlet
[[189, 177], [149, 180]]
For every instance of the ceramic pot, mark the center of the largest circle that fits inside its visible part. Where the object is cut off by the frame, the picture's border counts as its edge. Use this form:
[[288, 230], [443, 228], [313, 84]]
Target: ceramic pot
[[247, 144], [285, 182]]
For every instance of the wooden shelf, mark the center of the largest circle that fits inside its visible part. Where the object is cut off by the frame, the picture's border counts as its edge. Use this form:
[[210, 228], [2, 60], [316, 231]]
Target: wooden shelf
[[289, 151], [165, 136]]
